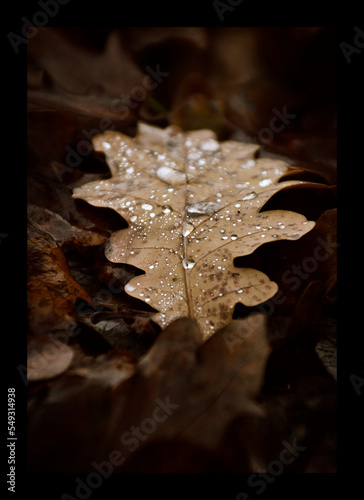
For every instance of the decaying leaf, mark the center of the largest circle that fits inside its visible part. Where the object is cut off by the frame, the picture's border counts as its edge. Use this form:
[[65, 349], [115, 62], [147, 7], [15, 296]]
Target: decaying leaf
[[47, 358], [51, 289], [193, 205], [61, 230], [192, 390], [110, 369]]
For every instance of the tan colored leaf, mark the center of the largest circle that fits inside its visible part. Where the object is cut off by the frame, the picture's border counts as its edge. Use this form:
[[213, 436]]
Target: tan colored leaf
[[47, 358], [192, 204]]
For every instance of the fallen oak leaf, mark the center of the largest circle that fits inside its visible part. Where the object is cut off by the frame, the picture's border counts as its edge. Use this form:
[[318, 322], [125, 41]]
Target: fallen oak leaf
[[192, 390], [208, 384], [193, 205], [237, 377], [73, 69], [51, 289]]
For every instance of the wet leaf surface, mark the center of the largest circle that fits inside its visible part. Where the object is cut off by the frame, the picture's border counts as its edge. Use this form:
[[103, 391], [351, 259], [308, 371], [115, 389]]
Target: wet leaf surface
[[192, 205]]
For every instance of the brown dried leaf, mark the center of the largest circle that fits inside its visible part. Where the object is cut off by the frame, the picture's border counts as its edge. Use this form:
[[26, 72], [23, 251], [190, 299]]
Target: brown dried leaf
[[51, 289], [47, 358], [68, 75], [210, 384], [192, 205], [201, 387], [61, 230], [109, 369]]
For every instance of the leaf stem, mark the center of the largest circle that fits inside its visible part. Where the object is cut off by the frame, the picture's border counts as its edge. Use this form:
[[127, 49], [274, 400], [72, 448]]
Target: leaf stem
[[187, 281], [191, 312]]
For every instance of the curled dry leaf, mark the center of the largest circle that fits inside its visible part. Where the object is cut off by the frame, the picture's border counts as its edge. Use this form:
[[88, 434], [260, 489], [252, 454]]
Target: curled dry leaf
[[193, 205]]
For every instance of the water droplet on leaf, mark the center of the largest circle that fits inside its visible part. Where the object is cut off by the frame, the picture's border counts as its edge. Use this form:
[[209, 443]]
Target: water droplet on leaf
[[249, 196], [187, 228], [188, 263], [147, 206], [171, 176], [166, 209], [209, 145], [203, 208], [265, 182]]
